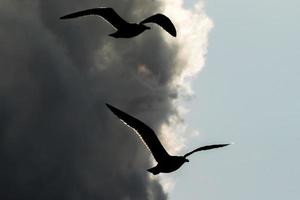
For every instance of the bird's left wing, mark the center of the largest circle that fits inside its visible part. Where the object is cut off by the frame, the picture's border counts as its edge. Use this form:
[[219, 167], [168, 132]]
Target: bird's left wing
[[145, 132], [108, 14], [162, 21], [206, 148]]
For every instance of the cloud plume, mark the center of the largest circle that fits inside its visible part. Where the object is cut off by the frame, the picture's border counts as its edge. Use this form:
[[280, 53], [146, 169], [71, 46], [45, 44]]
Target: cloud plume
[[57, 139]]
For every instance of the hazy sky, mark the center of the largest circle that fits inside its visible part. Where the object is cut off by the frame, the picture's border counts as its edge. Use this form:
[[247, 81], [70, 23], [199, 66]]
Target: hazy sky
[[248, 93]]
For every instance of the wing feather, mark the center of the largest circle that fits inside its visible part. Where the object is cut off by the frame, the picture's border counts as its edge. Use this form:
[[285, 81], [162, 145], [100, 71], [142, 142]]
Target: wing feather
[[147, 135], [162, 21], [107, 13], [205, 148]]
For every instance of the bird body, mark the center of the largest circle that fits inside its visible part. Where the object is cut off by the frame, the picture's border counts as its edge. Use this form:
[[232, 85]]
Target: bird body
[[132, 31], [165, 163], [125, 29], [170, 164]]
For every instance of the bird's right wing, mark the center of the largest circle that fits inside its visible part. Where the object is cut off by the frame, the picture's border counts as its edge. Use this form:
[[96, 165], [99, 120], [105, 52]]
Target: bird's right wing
[[107, 13], [162, 21], [146, 133], [208, 147]]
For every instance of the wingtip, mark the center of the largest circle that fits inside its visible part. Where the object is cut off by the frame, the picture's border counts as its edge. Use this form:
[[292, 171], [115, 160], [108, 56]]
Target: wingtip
[[172, 31], [111, 108], [69, 16], [174, 34], [224, 145], [65, 17], [108, 105]]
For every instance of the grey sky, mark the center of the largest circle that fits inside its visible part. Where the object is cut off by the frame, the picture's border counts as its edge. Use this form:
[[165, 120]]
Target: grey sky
[[248, 92], [57, 139]]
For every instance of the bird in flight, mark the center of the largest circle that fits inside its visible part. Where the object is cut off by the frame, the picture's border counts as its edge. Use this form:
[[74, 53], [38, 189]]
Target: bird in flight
[[165, 162], [125, 29]]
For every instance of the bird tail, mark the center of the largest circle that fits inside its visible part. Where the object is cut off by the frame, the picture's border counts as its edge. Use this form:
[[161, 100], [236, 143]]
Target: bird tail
[[153, 170], [115, 34]]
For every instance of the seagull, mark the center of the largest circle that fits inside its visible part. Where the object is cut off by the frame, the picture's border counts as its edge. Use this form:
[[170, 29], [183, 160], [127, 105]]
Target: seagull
[[125, 29], [165, 162]]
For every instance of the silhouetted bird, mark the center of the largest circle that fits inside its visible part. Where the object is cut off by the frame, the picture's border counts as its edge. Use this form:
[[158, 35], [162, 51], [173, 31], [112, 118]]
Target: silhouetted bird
[[165, 162], [125, 29]]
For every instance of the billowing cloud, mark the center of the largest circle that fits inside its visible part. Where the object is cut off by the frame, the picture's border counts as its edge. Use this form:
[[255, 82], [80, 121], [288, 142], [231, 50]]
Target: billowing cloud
[[57, 139]]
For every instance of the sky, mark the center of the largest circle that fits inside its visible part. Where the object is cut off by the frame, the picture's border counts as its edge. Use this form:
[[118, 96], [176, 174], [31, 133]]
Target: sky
[[247, 93], [229, 76]]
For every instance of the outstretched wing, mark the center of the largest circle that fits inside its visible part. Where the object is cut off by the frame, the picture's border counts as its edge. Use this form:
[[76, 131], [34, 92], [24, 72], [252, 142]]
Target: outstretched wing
[[162, 21], [146, 133], [107, 13], [206, 148]]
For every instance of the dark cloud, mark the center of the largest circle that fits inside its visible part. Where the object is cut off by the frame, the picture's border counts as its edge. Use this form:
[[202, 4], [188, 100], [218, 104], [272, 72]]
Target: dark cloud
[[57, 138]]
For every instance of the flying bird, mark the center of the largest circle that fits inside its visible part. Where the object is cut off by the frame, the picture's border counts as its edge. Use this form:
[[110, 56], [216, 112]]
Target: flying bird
[[165, 162], [125, 29]]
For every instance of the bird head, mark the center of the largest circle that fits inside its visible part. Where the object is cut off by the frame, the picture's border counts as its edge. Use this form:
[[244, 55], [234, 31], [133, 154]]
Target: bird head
[[184, 159]]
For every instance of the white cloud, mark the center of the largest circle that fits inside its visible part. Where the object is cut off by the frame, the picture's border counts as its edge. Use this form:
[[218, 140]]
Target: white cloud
[[193, 27]]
